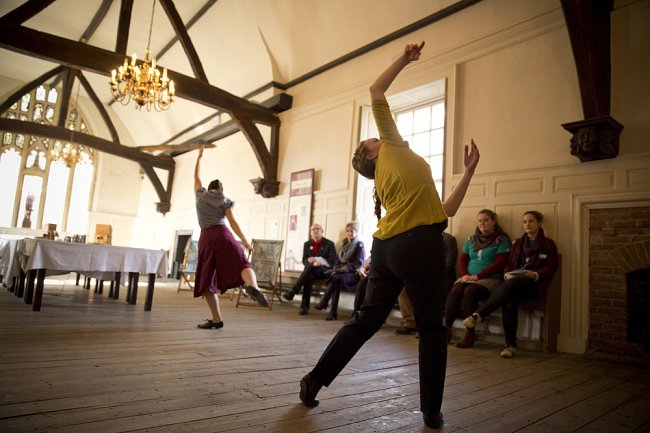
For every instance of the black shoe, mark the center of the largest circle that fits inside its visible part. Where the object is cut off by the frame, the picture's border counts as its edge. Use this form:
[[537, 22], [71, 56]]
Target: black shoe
[[331, 316], [209, 324], [404, 330], [257, 296], [320, 306], [434, 421], [303, 312], [288, 296], [308, 391]]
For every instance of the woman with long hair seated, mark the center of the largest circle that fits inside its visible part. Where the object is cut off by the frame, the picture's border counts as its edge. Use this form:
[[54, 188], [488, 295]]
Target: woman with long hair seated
[[484, 256], [532, 264]]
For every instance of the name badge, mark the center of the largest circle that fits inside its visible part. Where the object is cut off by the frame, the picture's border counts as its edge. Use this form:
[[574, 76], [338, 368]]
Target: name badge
[[542, 256]]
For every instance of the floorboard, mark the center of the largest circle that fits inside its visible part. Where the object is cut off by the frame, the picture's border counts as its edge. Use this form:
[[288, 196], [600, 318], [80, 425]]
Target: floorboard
[[87, 363]]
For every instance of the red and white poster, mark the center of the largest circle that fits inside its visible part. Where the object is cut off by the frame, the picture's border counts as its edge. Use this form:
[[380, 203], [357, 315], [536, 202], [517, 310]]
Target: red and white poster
[[300, 202]]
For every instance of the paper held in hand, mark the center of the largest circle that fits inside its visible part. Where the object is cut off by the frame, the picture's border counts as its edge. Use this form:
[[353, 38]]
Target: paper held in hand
[[517, 273], [322, 261]]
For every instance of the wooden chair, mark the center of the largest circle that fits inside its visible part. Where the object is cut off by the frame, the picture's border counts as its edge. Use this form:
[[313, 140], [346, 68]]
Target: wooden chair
[[266, 264], [188, 267]]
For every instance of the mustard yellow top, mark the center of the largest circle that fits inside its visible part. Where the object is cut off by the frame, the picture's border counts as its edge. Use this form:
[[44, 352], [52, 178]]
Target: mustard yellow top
[[403, 181]]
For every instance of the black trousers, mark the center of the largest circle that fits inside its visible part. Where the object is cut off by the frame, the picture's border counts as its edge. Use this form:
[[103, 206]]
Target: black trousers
[[306, 281], [508, 296], [413, 260]]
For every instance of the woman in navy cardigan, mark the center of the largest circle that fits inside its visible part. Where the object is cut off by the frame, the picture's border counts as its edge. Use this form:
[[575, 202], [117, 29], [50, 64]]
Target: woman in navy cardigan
[[344, 274]]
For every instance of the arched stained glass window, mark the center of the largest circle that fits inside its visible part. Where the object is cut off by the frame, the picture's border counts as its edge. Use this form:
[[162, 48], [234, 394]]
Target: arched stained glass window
[[37, 188]]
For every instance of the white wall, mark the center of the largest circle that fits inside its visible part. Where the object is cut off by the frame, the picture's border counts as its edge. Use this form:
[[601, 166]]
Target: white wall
[[512, 83]]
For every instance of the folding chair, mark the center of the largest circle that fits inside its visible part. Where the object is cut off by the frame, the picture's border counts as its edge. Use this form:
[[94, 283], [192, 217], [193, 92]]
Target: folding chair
[[188, 267], [266, 264]]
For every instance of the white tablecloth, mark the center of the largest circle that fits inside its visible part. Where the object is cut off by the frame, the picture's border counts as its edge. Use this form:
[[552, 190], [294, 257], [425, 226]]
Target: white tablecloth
[[9, 264], [90, 258], [41, 257]]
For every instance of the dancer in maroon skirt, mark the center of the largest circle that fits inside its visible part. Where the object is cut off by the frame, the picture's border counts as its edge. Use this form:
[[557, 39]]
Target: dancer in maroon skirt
[[222, 264]]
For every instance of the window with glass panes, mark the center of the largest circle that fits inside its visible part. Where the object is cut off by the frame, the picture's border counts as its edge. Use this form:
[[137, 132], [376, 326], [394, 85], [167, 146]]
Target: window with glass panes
[[38, 190]]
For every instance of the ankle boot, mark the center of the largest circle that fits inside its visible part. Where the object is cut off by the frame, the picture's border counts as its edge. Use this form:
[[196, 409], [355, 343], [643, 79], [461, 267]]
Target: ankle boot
[[468, 339]]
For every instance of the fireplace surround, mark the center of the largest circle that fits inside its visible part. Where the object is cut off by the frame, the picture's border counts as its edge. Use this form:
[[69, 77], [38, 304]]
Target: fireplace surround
[[619, 259]]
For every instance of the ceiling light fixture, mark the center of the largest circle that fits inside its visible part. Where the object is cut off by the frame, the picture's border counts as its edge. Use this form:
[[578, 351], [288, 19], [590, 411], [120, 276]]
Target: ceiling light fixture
[[143, 83], [70, 153]]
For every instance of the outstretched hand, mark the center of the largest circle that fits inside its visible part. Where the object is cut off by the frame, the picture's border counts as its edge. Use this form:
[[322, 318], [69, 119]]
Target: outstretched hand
[[412, 51], [471, 157]]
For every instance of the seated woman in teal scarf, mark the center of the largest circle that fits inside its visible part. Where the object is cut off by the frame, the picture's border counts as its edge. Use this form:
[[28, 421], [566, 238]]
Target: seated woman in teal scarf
[[531, 266]]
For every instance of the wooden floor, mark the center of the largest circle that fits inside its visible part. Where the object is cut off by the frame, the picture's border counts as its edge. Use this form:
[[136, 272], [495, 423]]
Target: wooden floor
[[89, 364]]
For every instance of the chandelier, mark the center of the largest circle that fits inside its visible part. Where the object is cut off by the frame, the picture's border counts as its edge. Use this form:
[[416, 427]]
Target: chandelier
[[143, 83], [70, 153]]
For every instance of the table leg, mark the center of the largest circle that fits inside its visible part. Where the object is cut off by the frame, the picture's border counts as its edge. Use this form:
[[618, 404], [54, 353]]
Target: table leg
[[76, 283], [133, 287], [29, 286], [117, 280], [38, 293], [20, 291], [149, 299]]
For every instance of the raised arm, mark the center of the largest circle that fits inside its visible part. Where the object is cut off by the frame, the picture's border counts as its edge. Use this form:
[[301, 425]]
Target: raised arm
[[382, 83], [470, 160], [235, 227], [197, 180]]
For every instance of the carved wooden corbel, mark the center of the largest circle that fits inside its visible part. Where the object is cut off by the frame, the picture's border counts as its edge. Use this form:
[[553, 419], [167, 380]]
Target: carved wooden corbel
[[588, 22]]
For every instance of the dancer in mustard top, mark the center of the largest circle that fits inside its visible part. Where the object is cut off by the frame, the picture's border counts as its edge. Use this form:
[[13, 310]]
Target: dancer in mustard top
[[407, 251]]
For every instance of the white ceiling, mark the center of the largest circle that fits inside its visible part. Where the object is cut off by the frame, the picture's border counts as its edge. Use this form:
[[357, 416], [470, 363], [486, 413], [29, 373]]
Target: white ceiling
[[242, 44]]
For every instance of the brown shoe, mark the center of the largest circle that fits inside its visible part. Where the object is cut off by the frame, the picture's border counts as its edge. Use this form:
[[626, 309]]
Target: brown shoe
[[468, 339], [404, 330]]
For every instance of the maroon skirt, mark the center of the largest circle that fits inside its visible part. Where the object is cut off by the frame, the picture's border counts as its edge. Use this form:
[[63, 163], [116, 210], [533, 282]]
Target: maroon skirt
[[221, 260]]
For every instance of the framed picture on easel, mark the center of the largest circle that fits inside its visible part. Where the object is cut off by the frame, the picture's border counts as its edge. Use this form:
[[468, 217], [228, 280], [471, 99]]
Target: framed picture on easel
[[300, 207]]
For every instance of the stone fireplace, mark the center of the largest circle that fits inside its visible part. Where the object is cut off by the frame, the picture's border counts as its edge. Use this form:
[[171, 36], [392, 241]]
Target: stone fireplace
[[619, 265]]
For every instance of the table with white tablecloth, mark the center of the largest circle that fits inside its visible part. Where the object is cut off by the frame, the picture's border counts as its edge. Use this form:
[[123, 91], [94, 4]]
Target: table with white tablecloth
[[40, 257], [9, 264]]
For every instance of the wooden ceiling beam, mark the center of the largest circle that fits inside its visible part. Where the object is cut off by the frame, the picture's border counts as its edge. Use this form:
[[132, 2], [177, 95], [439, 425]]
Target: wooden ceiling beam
[[100, 107], [123, 26], [27, 10], [100, 61], [61, 133], [188, 26], [14, 97], [65, 96], [184, 37], [146, 161], [96, 21]]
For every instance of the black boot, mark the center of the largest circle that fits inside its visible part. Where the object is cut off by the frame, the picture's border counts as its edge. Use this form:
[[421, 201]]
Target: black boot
[[326, 299]]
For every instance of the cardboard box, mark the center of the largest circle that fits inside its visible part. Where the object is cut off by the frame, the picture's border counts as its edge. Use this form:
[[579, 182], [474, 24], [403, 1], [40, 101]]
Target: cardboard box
[[103, 234]]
